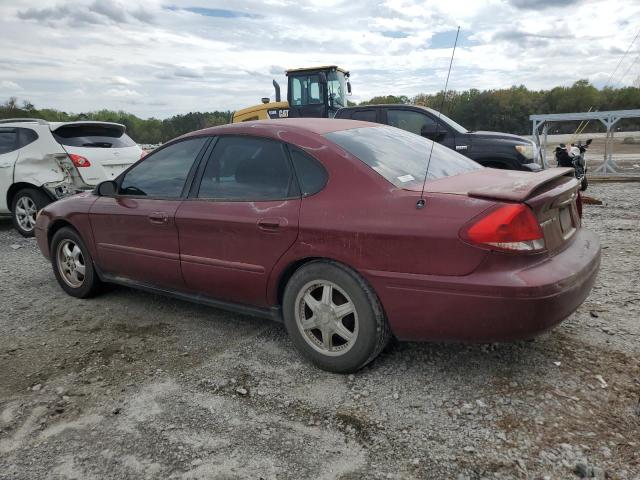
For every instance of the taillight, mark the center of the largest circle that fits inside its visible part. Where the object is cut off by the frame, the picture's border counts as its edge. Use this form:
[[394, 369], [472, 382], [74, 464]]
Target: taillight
[[79, 161], [511, 227], [143, 153], [579, 204]]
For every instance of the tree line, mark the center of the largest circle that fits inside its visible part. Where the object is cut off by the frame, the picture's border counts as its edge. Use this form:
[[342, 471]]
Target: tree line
[[146, 131], [508, 110], [505, 110]]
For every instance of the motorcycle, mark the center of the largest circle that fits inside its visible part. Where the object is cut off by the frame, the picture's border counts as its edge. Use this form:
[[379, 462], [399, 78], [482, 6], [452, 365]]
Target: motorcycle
[[573, 157]]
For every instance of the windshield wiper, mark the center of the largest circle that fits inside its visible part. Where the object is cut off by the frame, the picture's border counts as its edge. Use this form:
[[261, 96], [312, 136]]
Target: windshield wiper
[[98, 144]]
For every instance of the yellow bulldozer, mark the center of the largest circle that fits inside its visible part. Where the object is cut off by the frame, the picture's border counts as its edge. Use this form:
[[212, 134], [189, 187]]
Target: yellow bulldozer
[[311, 92]]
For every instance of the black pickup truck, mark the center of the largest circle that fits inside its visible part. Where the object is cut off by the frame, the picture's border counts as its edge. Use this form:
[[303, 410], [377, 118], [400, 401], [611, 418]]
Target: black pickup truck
[[491, 149]]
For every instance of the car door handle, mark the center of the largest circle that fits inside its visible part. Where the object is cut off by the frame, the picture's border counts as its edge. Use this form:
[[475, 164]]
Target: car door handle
[[271, 224], [159, 218]]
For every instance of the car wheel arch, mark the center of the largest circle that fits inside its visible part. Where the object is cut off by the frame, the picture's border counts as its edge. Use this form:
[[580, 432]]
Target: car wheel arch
[[16, 187], [57, 225], [292, 267]]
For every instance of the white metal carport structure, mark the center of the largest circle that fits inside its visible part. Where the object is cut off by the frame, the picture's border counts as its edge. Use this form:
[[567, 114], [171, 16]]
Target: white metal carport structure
[[608, 119]]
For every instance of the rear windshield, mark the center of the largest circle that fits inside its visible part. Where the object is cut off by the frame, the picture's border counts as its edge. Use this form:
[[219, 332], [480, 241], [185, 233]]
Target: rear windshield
[[399, 156], [92, 136]]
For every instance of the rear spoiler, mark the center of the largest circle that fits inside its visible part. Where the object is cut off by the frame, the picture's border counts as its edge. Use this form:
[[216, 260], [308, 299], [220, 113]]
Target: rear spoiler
[[517, 186], [506, 185], [84, 123]]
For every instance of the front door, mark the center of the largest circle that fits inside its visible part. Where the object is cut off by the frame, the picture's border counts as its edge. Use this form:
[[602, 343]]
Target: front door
[[8, 157], [421, 124], [135, 230], [240, 218]]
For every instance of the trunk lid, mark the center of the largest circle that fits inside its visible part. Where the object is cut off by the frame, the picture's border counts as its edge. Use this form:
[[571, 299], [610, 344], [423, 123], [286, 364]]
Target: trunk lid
[[106, 145], [552, 195]]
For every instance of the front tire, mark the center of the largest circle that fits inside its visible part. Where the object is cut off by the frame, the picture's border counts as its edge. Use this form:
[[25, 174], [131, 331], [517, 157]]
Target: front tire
[[333, 317], [24, 209], [73, 265]]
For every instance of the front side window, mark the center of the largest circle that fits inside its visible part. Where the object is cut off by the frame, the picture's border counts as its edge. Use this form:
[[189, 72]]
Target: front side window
[[248, 169], [163, 173], [8, 141], [401, 157], [414, 122], [307, 90]]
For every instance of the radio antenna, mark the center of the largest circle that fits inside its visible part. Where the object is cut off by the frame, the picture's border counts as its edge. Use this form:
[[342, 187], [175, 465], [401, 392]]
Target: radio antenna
[[420, 204]]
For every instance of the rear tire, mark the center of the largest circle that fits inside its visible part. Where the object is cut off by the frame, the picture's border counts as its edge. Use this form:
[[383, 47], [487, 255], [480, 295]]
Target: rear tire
[[25, 207], [72, 264], [333, 317]]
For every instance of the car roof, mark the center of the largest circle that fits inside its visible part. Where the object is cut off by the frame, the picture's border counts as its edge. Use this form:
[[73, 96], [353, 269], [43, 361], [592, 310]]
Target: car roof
[[391, 105], [319, 126]]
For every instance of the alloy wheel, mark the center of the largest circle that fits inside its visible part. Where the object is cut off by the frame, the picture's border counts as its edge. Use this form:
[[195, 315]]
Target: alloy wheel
[[25, 213], [70, 263], [326, 317]]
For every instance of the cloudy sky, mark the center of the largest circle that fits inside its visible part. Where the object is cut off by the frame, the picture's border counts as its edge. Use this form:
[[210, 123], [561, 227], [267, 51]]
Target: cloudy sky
[[162, 57]]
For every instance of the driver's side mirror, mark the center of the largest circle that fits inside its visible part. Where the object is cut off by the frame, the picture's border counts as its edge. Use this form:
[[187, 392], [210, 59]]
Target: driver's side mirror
[[108, 188], [348, 87]]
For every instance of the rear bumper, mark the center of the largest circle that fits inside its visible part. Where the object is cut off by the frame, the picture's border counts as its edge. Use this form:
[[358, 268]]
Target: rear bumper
[[504, 299]]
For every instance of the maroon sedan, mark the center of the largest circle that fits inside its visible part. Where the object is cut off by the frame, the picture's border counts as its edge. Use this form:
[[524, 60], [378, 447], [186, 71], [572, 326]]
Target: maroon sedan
[[321, 223]]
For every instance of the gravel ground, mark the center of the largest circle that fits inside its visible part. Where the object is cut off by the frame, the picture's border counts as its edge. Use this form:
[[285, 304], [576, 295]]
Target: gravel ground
[[132, 385]]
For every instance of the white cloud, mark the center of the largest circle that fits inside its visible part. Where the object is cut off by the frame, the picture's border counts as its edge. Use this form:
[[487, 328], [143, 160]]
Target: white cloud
[[9, 85], [161, 58]]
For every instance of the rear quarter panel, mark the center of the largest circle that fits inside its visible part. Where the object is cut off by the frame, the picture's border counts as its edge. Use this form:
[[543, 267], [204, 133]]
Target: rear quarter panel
[[365, 222], [35, 164]]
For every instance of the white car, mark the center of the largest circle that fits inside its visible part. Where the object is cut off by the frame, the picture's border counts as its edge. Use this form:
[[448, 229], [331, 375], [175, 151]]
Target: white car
[[41, 162]]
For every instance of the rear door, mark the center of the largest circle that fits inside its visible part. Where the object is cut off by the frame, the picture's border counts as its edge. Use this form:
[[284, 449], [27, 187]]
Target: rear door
[[102, 150], [241, 217], [8, 156], [135, 231]]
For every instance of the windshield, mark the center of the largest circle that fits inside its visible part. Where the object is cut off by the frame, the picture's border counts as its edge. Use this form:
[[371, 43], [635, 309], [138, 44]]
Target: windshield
[[456, 126], [401, 157], [336, 86]]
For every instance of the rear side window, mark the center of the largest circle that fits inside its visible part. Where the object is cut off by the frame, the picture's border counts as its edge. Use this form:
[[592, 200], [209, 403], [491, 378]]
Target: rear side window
[[311, 174], [248, 169], [92, 136], [163, 173], [399, 156], [365, 115], [8, 140], [27, 136]]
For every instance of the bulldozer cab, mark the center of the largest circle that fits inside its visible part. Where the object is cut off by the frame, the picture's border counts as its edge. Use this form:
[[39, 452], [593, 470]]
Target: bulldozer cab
[[317, 92], [312, 92]]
